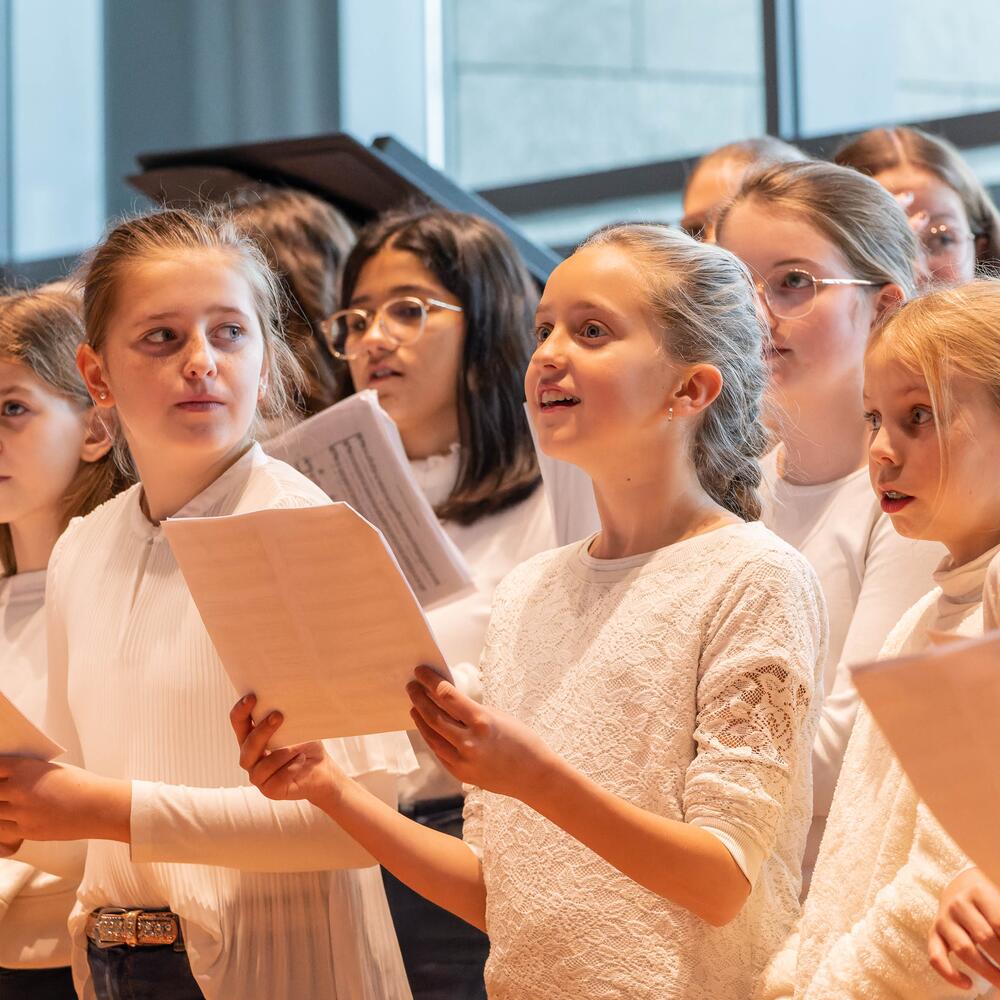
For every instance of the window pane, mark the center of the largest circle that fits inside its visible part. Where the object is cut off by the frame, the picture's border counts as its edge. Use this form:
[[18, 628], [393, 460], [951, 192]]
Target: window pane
[[542, 88], [863, 63]]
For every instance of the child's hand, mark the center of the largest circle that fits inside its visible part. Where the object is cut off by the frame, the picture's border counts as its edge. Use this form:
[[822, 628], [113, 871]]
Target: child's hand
[[478, 745], [304, 771], [967, 925]]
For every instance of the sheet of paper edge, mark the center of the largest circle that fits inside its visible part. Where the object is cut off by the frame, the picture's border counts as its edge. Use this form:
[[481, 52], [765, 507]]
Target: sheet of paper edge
[[46, 749]]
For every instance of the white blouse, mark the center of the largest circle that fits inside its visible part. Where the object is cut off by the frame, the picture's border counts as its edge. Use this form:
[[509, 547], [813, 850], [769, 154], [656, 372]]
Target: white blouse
[[138, 692], [870, 575], [687, 681], [34, 905], [885, 859], [492, 547]]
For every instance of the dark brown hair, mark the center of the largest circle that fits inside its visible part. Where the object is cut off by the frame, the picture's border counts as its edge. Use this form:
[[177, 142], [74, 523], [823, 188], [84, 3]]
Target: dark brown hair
[[881, 149], [41, 330], [476, 263], [306, 241]]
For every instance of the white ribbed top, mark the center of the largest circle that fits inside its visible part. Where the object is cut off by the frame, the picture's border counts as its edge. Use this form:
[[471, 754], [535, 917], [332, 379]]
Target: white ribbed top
[[34, 905], [687, 681], [138, 692]]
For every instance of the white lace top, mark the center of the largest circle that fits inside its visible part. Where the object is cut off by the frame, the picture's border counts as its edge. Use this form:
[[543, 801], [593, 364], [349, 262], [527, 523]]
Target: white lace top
[[687, 681]]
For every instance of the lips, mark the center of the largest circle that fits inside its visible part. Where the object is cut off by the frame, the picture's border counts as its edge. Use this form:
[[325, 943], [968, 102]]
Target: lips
[[379, 373], [893, 501], [200, 404]]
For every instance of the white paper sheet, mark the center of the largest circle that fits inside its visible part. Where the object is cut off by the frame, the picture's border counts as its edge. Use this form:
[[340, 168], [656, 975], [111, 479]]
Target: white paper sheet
[[940, 712], [21, 738], [353, 452], [308, 609], [570, 494]]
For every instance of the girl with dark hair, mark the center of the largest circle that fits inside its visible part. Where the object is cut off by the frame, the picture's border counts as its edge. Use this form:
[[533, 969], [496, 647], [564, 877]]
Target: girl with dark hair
[[640, 762], [437, 318]]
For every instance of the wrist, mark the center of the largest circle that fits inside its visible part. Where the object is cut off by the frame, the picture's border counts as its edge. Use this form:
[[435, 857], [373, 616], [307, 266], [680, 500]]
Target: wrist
[[328, 793], [544, 774], [107, 802]]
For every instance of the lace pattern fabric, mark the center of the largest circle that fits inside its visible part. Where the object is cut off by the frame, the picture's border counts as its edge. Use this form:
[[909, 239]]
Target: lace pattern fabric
[[687, 682]]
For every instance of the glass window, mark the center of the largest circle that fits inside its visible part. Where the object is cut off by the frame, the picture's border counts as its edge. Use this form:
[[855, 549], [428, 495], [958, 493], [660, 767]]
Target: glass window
[[538, 88], [863, 63]]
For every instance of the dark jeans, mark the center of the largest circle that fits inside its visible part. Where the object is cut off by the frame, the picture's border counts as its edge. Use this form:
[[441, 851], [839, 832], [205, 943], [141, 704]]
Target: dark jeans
[[444, 956], [160, 972], [36, 984]]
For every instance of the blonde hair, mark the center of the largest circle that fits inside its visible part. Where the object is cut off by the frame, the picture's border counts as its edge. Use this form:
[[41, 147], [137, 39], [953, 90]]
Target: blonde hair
[[856, 214], [764, 150], [41, 330], [881, 149], [175, 232], [705, 299], [944, 334]]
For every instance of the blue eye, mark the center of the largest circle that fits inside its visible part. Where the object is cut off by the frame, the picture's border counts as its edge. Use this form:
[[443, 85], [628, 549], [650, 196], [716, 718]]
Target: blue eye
[[591, 331], [542, 333], [921, 415], [874, 420], [232, 331], [12, 409], [162, 336]]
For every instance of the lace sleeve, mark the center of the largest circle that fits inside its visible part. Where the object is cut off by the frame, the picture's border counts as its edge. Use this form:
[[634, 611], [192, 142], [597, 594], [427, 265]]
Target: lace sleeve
[[757, 705]]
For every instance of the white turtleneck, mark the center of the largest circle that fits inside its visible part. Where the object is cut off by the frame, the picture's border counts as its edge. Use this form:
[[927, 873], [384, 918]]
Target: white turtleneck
[[884, 859], [492, 547], [34, 906]]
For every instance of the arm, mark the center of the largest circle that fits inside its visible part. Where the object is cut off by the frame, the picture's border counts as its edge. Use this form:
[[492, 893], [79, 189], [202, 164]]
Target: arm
[[755, 700], [885, 952], [439, 867], [897, 573]]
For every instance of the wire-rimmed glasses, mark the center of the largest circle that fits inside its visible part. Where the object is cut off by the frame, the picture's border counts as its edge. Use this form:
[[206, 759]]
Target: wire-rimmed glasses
[[942, 241], [793, 295], [400, 320]]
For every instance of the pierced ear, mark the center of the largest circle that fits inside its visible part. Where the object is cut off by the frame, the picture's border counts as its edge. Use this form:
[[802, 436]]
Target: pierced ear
[[91, 369], [99, 438], [700, 388]]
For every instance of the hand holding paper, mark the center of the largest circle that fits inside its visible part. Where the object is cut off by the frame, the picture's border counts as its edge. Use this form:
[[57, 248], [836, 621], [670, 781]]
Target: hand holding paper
[[308, 610]]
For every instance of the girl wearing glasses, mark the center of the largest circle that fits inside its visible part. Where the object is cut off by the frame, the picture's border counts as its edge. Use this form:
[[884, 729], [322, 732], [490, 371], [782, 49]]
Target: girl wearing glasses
[[932, 396], [949, 209], [437, 319], [194, 885], [832, 255], [641, 759]]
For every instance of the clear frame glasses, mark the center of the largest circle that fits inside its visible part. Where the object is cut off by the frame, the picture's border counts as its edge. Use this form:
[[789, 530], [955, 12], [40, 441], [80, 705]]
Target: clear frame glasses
[[401, 321], [943, 242], [794, 294]]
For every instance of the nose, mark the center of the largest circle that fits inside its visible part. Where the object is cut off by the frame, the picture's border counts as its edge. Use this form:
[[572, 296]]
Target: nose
[[551, 352], [765, 307], [199, 361], [881, 450]]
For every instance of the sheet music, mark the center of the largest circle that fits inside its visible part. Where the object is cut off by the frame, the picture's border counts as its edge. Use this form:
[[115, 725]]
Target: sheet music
[[354, 453], [940, 712], [19, 737], [308, 609]]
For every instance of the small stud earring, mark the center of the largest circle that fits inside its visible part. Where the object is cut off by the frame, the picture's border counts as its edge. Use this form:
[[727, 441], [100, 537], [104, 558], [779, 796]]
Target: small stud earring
[[102, 395], [670, 414]]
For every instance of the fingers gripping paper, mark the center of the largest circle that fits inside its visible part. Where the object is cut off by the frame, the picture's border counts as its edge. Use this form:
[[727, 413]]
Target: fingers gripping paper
[[21, 738], [939, 712], [353, 452], [308, 609]]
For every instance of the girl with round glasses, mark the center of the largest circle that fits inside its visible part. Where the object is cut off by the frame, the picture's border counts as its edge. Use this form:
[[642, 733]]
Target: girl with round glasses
[[949, 209], [832, 255], [437, 319]]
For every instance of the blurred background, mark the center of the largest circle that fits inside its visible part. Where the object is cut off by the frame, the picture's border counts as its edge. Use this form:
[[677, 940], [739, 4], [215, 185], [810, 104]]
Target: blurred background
[[565, 114]]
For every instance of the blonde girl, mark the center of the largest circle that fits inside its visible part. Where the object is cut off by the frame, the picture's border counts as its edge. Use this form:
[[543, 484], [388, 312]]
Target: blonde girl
[[641, 760], [55, 464], [832, 255], [194, 885], [932, 396]]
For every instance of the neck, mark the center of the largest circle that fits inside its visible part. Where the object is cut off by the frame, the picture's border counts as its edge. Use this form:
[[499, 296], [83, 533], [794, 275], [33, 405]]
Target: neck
[[34, 538], [823, 441], [169, 486], [433, 436], [967, 549], [642, 513]]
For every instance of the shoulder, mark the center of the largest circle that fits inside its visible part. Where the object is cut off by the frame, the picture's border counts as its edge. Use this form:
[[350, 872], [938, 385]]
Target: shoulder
[[914, 623], [99, 525], [275, 484], [755, 555]]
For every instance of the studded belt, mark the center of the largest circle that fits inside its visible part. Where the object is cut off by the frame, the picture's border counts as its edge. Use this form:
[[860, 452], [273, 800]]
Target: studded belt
[[111, 926]]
